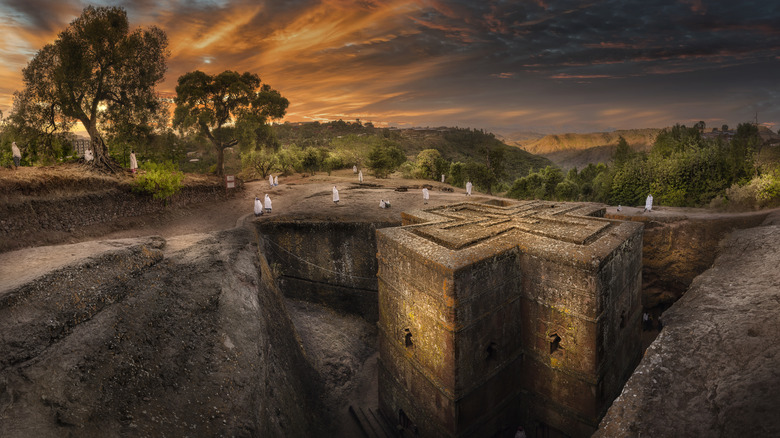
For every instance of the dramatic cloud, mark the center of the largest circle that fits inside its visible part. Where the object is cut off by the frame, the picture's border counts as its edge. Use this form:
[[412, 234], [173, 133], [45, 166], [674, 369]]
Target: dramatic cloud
[[552, 66]]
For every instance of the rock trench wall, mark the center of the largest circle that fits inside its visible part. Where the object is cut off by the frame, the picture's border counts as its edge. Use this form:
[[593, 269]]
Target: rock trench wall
[[51, 213], [677, 248], [185, 337], [713, 370], [325, 262]]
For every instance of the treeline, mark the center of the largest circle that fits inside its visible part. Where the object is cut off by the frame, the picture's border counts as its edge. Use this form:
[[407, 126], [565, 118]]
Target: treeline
[[460, 154], [682, 169]]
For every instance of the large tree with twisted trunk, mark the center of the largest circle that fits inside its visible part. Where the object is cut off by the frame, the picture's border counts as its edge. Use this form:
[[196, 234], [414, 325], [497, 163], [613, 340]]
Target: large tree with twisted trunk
[[213, 106], [97, 72]]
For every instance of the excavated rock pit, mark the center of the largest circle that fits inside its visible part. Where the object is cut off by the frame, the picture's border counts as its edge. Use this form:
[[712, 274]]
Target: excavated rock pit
[[190, 335], [714, 368]]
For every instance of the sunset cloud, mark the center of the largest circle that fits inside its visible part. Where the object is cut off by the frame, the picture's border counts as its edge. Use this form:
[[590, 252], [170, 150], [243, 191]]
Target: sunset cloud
[[539, 65]]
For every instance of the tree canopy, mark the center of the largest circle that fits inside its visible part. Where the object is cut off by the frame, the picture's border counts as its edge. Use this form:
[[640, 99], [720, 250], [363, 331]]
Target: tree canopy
[[213, 106], [97, 72]]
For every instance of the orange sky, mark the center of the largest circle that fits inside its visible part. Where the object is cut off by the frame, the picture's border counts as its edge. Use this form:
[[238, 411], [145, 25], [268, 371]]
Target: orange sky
[[546, 66]]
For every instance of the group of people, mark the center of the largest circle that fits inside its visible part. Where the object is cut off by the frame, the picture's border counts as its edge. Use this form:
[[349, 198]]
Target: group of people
[[383, 203], [266, 203]]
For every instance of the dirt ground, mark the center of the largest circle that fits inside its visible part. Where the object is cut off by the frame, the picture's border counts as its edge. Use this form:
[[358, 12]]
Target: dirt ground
[[299, 196]]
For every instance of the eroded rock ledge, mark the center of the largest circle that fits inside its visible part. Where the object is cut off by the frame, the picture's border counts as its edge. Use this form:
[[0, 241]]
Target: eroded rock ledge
[[714, 370], [188, 337]]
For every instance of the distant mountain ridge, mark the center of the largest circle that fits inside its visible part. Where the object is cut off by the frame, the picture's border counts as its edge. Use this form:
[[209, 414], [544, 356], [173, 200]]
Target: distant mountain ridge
[[579, 150], [638, 139]]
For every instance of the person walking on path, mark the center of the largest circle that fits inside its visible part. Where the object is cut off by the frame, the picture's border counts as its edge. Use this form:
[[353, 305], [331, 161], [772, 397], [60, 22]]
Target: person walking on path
[[267, 203], [468, 188], [360, 176], [335, 195], [271, 181], [425, 195], [258, 207], [133, 162], [276, 180], [649, 203], [17, 155]]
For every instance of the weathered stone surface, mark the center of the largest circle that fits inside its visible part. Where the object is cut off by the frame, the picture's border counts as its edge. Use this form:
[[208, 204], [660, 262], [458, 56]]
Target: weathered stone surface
[[487, 310], [187, 339], [679, 244], [327, 262], [714, 368]]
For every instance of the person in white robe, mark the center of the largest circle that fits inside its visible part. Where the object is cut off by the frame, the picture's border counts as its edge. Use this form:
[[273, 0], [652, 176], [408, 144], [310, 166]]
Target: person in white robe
[[468, 188], [354, 169], [442, 177], [649, 203], [276, 180], [17, 154], [425, 195], [88, 155], [360, 176], [271, 180], [267, 203], [258, 207], [133, 162], [382, 203], [335, 195]]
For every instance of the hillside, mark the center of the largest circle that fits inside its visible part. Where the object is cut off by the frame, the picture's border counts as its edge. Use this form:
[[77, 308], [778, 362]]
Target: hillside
[[454, 144]]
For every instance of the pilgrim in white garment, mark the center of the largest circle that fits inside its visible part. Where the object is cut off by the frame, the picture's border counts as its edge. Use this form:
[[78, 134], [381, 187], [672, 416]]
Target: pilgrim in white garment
[[335, 195], [360, 176], [468, 188], [267, 203], [258, 207], [276, 180], [425, 195], [271, 180], [649, 203]]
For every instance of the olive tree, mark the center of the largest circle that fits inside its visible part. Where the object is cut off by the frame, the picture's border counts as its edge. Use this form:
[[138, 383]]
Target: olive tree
[[212, 106], [96, 72]]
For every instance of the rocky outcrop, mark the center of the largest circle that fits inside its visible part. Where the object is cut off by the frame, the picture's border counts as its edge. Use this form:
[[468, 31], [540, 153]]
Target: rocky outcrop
[[714, 368], [188, 337], [679, 244]]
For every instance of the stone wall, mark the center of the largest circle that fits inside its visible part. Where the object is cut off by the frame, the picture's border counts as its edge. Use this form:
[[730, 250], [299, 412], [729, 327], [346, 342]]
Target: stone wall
[[494, 316], [327, 262]]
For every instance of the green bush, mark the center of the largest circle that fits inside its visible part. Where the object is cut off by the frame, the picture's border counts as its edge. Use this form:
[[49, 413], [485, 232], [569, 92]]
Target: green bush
[[385, 159], [159, 180]]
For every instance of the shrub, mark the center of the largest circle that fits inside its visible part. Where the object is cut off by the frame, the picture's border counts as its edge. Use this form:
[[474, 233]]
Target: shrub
[[384, 160], [159, 180]]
